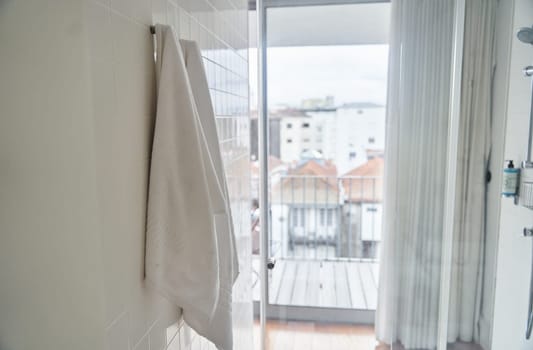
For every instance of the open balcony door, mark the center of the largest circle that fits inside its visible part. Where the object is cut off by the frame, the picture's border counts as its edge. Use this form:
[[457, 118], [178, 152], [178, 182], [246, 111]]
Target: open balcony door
[[324, 98]]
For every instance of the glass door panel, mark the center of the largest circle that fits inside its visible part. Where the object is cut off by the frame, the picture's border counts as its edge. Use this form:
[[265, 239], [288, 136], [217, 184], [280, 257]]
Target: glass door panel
[[326, 96]]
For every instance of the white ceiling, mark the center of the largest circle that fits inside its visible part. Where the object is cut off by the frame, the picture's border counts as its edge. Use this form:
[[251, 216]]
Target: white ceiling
[[356, 24]]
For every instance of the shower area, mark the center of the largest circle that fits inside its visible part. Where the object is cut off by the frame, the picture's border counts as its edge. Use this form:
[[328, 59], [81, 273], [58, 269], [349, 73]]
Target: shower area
[[381, 187]]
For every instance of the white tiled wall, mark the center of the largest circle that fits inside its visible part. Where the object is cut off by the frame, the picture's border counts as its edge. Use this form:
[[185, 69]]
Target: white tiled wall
[[513, 250], [120, 52], [77, 108]]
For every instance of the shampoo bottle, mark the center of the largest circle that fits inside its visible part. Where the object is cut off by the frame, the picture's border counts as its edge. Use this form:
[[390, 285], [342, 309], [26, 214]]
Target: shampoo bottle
[[510, 180]]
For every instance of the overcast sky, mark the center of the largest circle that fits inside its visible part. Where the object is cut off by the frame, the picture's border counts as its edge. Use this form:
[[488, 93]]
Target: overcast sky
[[350, 73]]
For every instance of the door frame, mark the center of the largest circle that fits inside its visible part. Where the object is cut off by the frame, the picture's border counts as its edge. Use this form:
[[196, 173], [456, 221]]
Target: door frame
[[266, 310]]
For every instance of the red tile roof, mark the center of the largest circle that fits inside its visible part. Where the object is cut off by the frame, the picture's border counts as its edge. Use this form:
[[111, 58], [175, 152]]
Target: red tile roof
[[309, 183], [374, 167], [313, 167], [367, 182]]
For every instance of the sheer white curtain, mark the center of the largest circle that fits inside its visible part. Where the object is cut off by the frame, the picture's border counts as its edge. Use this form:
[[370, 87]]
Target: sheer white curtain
[[415, 169], [417, 126]]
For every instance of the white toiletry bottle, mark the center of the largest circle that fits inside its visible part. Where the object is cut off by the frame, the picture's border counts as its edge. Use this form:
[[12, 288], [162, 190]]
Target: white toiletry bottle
[[510, 180]]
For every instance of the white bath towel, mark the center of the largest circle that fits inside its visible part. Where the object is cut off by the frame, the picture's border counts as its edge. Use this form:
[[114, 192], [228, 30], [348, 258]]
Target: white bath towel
[[221, 326], [190, 251]]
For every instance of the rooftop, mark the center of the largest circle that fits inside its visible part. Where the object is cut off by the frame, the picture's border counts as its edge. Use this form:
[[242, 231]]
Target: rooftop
[[369, 188], [310, 183]]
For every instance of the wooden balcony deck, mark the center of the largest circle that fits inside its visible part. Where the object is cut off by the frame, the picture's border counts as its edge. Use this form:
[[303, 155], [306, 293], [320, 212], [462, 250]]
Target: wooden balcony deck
[[329, 284]]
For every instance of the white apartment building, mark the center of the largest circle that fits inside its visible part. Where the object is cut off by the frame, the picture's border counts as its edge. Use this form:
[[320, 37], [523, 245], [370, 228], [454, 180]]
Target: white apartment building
[[346, 135], [360, 130], [296, 135]]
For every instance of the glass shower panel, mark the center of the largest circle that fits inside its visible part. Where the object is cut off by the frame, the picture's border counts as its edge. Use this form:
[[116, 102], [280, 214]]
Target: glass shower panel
[[358, 100]]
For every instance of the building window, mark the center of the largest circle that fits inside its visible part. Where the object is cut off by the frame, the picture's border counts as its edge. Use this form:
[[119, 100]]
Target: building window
[[289, 125], [305, 125], [330, 217], [352, 155], [289, 140], [305, 140], [322, 217], [298, 217], [302, 217], [371, 140]]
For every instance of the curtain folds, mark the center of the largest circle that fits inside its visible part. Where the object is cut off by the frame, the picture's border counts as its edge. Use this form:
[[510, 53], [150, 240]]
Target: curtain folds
[[416, 148]]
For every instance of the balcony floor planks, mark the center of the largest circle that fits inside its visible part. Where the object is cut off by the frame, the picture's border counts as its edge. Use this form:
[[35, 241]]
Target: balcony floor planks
[[276, 280], [300, 284], [356, 286], [369, 286], [342, 289], [313, 284], [342, 284], [286, 291], [327, 290]]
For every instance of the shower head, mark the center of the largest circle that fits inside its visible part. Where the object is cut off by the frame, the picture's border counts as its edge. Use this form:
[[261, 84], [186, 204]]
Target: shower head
[[525, 35]]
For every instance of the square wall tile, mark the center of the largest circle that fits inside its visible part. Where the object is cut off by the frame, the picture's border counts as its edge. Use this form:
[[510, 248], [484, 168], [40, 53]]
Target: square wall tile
[[117, 334], [158, 336], [143, 344], [98, 26], [137, 10]]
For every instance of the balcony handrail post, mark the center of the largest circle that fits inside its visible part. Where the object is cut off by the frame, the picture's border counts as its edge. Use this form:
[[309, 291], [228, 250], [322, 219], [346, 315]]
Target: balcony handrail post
[[349, 205], [293, 210], [326, 227], [282, 225], [375, 204], [316, 226], [339, 182], [304, 217]]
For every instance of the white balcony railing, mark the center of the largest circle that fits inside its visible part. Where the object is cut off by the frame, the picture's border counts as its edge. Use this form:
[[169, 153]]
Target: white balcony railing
[[325, 217], [325, 235]]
